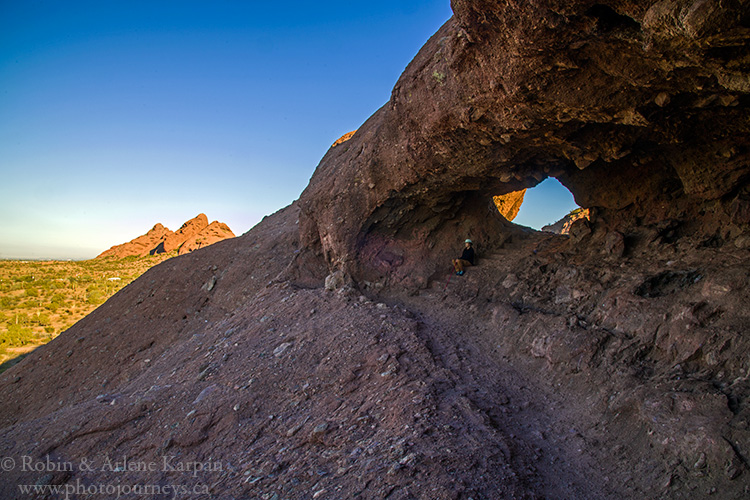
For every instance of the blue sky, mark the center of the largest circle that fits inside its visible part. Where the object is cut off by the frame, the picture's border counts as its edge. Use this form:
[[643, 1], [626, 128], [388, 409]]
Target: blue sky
[[116, 115], [545, 204]]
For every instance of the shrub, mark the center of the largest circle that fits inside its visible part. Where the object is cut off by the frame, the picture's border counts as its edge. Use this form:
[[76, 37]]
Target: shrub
[[20, 319], [16, 336], [95, 297], [42, 320], [8, 302]]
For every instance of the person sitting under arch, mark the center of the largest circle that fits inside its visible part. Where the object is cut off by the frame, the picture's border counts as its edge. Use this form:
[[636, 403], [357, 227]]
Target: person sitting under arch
[[466, 259]]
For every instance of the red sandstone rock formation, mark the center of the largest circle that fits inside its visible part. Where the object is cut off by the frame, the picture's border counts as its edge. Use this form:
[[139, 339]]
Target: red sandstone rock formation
[[216, 231], [188, 231], [343, 138], [193, 234], [606, 364], [563, 225], [142, 245], [509, 204], [628, 103]]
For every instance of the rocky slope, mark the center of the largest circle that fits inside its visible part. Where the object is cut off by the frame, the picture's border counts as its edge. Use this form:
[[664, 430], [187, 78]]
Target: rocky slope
[[563, 225], [193, 234], [604, 364]]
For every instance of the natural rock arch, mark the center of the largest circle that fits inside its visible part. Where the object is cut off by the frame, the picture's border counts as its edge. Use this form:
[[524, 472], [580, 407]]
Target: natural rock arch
[[653, 349], [638, 108]]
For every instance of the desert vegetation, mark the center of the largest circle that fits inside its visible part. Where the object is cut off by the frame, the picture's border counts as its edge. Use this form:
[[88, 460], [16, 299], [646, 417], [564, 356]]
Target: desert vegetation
[[41, 299]]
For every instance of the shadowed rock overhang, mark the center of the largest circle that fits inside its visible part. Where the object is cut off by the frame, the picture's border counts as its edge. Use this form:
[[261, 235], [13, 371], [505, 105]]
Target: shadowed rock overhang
[[638, 107]]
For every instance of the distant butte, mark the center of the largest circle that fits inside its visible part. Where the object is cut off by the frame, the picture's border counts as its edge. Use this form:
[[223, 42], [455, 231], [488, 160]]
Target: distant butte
[[192, 235]]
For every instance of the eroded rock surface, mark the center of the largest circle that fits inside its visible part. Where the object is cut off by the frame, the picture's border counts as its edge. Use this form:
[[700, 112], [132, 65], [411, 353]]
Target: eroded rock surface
[[564, 225], [639, 108], [509, 204], [212, 233], [192, 235], [607, 363]]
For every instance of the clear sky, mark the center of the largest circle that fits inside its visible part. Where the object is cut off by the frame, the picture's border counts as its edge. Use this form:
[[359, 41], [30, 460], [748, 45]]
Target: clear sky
[[115, 115], [545, 204]]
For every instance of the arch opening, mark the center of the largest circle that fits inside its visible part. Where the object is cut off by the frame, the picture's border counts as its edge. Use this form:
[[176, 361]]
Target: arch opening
[[547, 206]]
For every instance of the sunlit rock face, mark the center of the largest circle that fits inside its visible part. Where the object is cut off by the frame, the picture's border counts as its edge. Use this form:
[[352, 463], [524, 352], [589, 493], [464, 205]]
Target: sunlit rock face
[[564, 225], [639, 108], [510, 204], [192, 235]]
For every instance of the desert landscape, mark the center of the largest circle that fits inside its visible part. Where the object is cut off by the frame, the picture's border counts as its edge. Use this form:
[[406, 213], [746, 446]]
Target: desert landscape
[[331, 353], [40, 300]]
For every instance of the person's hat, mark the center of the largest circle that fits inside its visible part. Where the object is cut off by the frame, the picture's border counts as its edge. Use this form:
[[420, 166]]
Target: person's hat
[[469, 241]]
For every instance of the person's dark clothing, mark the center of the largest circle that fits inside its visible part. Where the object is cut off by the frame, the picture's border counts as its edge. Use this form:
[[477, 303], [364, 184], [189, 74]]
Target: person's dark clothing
[[468, 255]]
